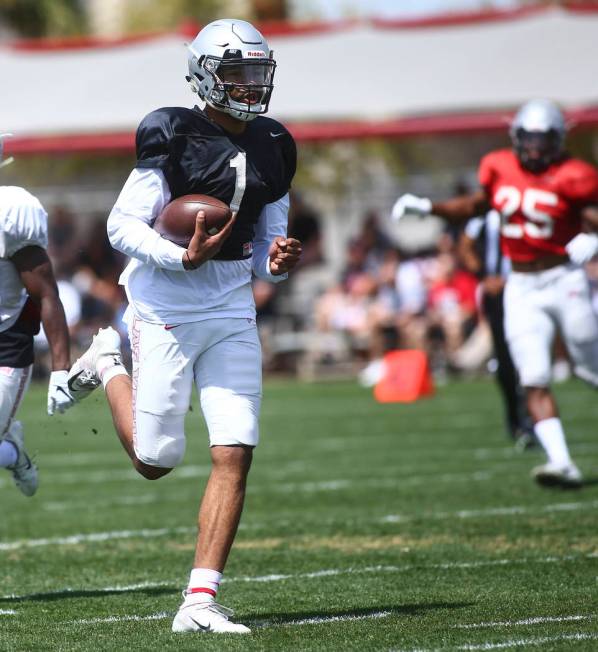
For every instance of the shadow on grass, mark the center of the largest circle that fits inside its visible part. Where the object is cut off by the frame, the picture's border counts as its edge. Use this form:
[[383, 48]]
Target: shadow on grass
[[50, 596], [273, 619]]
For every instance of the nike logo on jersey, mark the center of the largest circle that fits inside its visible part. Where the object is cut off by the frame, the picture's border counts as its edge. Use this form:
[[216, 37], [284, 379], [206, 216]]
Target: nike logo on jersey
[[169, 327], [277, 135]]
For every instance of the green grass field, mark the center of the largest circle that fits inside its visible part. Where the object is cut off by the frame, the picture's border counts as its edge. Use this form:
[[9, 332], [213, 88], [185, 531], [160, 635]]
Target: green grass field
[[367, 527]]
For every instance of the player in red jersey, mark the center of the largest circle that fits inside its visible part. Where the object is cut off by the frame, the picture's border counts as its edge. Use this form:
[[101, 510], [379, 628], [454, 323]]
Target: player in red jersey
[[548, 202]]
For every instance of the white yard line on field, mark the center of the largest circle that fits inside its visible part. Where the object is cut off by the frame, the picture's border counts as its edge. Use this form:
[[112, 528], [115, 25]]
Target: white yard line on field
[[55, 461], [391, 518], [198, 471], [511, 453], [331, 572], [525, 642], [378, 483], [327, 572], [119, 619], [316, 620], [69, 506], [68, 459], [503, 645], [125, 588], [515, 510], [282, 487], [538, 620], [119, 475], [93, 537], [8, 612]]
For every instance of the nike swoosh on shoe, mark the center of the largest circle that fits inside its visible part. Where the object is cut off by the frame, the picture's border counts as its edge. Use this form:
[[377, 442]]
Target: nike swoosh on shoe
[[204, 628]]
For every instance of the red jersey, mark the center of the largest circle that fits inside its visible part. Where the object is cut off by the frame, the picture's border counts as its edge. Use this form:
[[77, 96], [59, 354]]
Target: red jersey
[[540, 211], [458, 292]]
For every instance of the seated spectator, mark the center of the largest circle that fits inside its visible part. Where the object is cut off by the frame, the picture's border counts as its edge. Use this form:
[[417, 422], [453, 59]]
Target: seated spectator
[[304, 224], [63, 243], [375, 243], [412, 294], [452, 306]]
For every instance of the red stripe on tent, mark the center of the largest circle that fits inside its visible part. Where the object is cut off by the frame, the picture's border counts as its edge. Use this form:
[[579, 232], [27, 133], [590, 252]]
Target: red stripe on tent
[[80, 42], [424, 126], [72, 143], [189, 28], [587, 7], [304, 132], [459, 18], [283, 28]]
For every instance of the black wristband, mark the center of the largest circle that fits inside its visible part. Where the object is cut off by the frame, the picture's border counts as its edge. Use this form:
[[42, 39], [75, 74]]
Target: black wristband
[[189, 260]]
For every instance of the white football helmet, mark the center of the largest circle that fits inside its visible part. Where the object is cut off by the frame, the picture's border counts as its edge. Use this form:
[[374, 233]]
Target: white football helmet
[[231, 68], [4, 161], [538, 134]]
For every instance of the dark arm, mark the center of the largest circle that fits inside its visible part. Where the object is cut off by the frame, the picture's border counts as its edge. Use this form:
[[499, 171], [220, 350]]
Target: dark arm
[[462, 208], [35, 270], [468, 255], [589, 218]]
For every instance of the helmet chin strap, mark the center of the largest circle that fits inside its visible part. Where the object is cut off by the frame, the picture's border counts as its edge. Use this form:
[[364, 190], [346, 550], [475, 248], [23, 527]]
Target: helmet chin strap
[[244, 116]]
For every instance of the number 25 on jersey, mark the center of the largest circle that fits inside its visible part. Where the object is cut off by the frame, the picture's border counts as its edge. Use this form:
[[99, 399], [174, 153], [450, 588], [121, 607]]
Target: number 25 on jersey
[[537, 223]]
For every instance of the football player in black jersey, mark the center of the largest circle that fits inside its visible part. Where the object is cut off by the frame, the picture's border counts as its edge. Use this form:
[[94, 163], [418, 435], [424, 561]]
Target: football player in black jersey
[[192, 316]]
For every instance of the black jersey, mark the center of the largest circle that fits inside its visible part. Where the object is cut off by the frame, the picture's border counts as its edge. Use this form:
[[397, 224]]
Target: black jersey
[[196, 155]]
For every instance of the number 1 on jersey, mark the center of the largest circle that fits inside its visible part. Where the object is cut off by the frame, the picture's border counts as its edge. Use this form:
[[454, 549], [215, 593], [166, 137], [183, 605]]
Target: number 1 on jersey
[[239, 163]]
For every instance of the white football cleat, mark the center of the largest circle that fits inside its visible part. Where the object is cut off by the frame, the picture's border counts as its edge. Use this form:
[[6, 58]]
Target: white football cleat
[[198, 615], [24, 471], [84, 376], [551, 475]]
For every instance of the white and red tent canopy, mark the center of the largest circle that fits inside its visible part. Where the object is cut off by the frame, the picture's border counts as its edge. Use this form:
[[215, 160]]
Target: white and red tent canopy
[[349, 80]]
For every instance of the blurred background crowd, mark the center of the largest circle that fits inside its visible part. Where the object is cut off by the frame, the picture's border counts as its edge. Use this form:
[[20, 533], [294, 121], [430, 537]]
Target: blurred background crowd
[[328, 319], [365, 285]]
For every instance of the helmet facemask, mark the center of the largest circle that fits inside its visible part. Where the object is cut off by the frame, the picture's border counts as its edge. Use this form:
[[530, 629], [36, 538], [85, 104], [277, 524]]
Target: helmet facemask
[[538, 133], [238, 86], [537, 150]]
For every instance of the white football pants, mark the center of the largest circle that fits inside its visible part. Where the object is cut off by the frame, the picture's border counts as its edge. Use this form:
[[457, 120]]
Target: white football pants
[[222, 357], [536, 304], [13, 385]]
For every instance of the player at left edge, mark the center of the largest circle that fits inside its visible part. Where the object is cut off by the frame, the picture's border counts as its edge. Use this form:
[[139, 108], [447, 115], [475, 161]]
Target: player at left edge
[[28, 296]]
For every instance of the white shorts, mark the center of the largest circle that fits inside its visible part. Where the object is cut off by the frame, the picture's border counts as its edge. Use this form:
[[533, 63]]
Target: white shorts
[[538, 303], [13, 385], [222, 357]]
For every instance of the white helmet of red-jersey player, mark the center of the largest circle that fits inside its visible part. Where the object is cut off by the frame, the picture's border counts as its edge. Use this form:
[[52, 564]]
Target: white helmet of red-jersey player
[[538, 133], [232, 68], [4, 161]]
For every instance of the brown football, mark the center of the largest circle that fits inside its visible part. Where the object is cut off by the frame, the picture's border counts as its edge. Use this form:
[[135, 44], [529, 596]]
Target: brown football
[[177, 221]]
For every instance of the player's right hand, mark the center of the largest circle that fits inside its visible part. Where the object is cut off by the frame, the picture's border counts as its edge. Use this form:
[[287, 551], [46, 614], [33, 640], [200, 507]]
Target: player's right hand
[[59, 397], [411, 205], [582, 248], [202, 246]]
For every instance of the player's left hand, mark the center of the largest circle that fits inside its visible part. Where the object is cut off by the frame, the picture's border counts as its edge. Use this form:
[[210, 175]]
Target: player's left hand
[[59, 397], [582, 248], [411, 205], [284, 255]]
